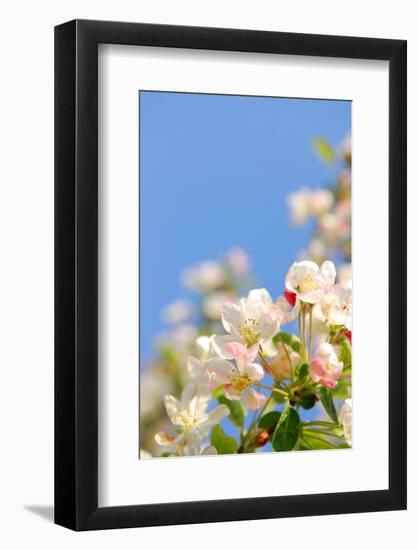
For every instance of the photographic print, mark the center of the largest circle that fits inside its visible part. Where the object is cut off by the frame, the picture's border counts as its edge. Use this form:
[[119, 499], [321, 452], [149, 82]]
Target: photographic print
[[245, 274]]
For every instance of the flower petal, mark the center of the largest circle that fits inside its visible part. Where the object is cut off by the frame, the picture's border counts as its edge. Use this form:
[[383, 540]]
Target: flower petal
[[253, 400]]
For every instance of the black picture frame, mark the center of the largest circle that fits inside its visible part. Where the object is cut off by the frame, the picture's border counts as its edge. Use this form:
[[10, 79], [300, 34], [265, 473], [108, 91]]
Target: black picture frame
[[76, 273]]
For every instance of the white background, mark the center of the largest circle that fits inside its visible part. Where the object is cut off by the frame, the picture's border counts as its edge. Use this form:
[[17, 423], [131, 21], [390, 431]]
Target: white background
[[26, 300], [123, 479]]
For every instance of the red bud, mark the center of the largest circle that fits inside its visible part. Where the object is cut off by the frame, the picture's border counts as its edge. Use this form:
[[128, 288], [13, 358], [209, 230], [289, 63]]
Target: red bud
[[291, 297], [348, 334]]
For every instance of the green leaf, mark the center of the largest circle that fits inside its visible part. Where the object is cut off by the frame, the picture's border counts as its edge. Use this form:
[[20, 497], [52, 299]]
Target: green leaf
[[315, 442], [224, 444], [269, 420], [345, 354], [237, 412], [303, 373], [288, 339], [327, 401], [287, 431], [342, 390], [324, 150]]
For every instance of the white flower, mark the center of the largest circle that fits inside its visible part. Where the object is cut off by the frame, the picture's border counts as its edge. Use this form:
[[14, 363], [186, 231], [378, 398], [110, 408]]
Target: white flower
[[251, 321], [198, 367], [309, 282], [190, 418], [325, 367], [239, 375], [204, 276], [345, 416], [177, 312], [336, 306]]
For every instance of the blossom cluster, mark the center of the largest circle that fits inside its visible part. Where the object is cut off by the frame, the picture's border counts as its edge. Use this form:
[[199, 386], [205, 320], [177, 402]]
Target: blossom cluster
[[255, 366], [329, 208]]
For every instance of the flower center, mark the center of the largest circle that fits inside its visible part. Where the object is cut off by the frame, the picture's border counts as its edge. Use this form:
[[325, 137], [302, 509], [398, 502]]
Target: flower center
[[307, 284], [247, 331], [187, 420], [242, 382]]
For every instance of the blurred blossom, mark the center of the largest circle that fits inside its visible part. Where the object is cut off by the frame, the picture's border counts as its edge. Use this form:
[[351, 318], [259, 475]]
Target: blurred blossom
[[177, 312], [321, 200], [213, 302], [299, 205], [238, 261], [204, 276], [179, 337], [345, 149], [334, 226], [153, 385], [305, 203], [317, 250]]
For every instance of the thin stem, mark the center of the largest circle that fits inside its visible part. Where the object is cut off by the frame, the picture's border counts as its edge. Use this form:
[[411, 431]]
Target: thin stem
[[270, 388], [289, 361], [300, 332], [311, 332], [253, 423], [304, 333]]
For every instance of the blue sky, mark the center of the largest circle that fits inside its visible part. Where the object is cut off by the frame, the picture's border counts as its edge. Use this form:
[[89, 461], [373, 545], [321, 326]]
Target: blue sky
[[215, 171]]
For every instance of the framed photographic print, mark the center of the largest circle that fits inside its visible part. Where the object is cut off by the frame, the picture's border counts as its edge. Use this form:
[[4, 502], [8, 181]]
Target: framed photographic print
[[230, 275]]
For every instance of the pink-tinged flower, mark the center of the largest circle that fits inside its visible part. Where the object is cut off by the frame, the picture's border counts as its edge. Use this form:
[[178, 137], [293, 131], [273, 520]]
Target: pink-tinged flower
[[345, 416], [239, 374], [308, 281], [251, 321], [325, 367]]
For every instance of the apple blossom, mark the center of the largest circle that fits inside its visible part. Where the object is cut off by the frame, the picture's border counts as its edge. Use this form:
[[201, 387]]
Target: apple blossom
[[345, 416], [239, 375], [309, 282], [336, 306], [251, 321], [199, 367], [189, 417], [325, 367]]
